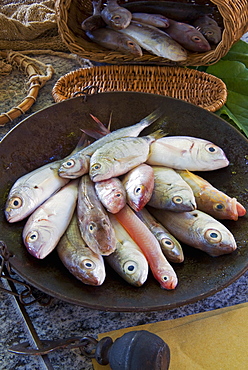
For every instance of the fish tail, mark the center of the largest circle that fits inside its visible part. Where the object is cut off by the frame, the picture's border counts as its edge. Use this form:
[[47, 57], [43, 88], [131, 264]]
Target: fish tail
[[157, 114]]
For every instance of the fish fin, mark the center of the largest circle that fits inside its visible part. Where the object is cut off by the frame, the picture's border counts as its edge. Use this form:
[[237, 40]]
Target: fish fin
[[157, 115], [158, 134], [97, 132]]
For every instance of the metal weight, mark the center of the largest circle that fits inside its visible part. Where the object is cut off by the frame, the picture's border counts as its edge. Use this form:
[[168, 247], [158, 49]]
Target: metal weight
[[135, 350]]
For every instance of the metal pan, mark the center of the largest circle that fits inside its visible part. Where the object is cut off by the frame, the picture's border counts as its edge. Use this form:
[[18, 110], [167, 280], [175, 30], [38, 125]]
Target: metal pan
[[53, 132]]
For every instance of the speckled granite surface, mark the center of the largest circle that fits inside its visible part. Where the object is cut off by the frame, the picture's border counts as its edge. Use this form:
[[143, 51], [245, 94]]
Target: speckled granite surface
[[61, 319]]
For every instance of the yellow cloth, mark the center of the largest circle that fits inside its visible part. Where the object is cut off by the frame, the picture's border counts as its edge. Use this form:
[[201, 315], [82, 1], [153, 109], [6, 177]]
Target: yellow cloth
[[213, 340]]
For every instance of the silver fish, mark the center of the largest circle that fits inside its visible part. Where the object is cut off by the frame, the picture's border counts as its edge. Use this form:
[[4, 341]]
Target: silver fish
[[169, 244], [155, 41], [116, 16], [187, 153], [32, 189], [139, 184], [114, 40], [155, 20], [94, 223], [78, 164], [48, 222], [187, 36], [86, 265], [112, 194], [127, 260], [95, 21], [170, 191], [120, 156], [209, 28], [198, 230]]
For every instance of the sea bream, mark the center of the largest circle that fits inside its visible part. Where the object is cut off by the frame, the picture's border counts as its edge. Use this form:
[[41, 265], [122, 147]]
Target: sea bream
[[93, 220], [209, 28], [138, 184], [46, 225], [211, 200], [199, 230], [115, 16], [86, 265], [111, 193], [155, 41], [127, 260], [187, 153], [77, 165], [170, 191], [120, 156]]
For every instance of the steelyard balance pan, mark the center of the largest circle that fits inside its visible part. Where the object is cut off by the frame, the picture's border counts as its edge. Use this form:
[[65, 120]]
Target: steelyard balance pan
[[53, 132]]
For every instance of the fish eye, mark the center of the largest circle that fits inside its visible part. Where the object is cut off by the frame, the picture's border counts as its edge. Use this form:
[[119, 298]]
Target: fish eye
[[211, 148], [32, 236], [165, 278], [209, 33], [116, 17], [69, 164], [177, 200], [88, 264], [15, 202], [130, 267], [195, 38], [92, 227], [213, 236], [219, 207], [167, 243], [96, 166], [138, 189], [130, 43], [118, 195]]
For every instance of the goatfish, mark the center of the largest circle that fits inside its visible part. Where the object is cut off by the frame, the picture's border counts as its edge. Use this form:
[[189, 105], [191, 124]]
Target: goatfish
[[93, 220], [46, 225], [33, 188], [187, 36], [174, 10], [169, 244], [115, 16], [170, 191], [127, 260], [211, 200], [95, 21], [114, 40], [155, 20], [86, 265], [199, 230], [161, 269], [120, 156], [209, 28], [78, 164], [138, 184], [155, 41], [187, 153], [111, 193]]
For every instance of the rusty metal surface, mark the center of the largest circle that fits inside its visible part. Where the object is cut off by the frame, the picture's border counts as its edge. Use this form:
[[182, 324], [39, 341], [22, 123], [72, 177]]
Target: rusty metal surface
[[53, 132]]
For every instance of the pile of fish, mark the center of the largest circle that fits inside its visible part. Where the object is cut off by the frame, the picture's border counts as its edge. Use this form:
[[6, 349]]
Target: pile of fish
[[160, 27], [127, 200]]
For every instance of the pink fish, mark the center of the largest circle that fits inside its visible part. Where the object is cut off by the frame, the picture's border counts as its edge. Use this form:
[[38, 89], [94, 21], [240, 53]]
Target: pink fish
[[111, 193]]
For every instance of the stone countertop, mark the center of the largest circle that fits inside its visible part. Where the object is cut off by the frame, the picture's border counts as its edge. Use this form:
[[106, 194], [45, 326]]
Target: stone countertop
[[61, 319]]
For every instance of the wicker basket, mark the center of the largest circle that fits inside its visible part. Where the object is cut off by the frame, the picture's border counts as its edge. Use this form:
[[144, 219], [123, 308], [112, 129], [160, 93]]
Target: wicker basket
[[196, 87], [231, 15]]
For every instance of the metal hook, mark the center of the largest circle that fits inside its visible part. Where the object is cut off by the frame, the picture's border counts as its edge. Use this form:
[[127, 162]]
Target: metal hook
[[88, 90]]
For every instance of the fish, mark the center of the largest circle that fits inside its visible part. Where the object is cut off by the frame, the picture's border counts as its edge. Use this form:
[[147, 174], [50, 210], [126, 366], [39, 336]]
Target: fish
[[32, 189], [138, 184], [156, 20], [169, 244], [95, 21], [86, 265], [179, 12], [170, 191], [187, 153], [111, 193], [198, 230], [209, 28], [155, 41], [120, 156], [93, 220], [127, 260], [211, 200], [115, 16], [78, 164], [114, 40], [46, 225], [161, 269], [187, 36]]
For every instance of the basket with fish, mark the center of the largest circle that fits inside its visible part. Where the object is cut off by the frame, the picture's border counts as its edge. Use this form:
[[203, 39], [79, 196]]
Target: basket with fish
[[160, 32]]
